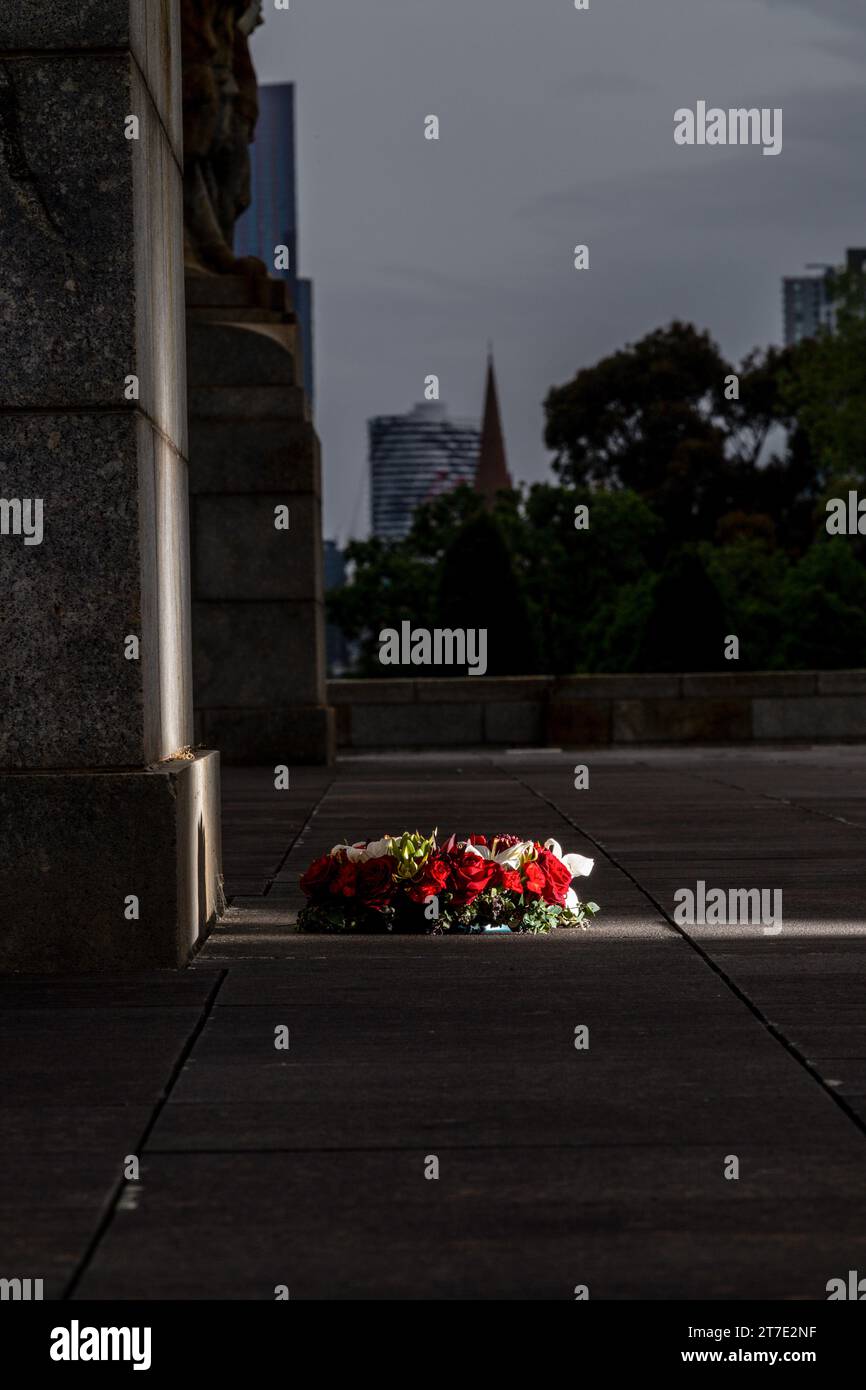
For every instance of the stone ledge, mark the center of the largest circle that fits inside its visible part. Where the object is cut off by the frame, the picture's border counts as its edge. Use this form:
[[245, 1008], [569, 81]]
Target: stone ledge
[[204, 291], [617, 687], [79, 843], [593, 711], [514, 723], [579, 723], [817, 717], [446, 690], [681, 721], [371, 692], [411, 726], [841, 682], [726, 685]]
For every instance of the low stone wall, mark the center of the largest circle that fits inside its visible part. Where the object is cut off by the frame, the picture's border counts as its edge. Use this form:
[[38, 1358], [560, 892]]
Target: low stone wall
[[582, 711]]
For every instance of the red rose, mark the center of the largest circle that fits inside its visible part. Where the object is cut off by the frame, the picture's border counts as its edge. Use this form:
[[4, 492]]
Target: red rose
[[557, 875], [318, 876], [344, 883], [430, 882], [534, 880], [478, 840], [376, 882], [469, 875], [506, 878]]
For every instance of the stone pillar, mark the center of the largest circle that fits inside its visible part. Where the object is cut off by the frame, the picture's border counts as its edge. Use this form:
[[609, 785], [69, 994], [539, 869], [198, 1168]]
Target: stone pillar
[[109, 825], [258, 602]]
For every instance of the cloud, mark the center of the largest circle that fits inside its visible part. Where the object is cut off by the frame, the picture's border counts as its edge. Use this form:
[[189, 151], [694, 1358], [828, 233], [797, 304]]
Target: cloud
[[842, 11], [557, 129]]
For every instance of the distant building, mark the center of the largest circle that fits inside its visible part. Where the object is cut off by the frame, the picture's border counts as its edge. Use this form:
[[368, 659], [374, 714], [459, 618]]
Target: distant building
[[271, 220], [806, 307], [808, 299], [414, 458], [338, 650], [417, 457], [492, 473]]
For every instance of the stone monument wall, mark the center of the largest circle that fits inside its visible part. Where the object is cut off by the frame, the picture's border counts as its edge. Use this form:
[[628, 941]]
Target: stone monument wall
[[109, 827]]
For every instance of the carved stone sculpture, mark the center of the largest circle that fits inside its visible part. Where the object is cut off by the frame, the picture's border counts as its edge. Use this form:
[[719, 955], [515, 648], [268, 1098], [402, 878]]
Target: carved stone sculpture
[[220, 110]]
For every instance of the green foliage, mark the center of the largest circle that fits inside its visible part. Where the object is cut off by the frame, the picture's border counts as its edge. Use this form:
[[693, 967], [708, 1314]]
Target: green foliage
[[685, 625], [823, 610], [519, 914], [478, 588], [749, 575], [693, 532], [655, 418], [345, 917]]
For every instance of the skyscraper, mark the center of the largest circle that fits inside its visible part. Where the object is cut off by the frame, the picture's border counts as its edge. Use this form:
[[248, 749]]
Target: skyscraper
[[271, 220], [337, 649], [414, 458], [806, 306], [808, 299]]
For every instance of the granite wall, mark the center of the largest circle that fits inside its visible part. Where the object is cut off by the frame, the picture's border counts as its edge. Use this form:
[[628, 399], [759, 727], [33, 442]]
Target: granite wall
[[96, 675]]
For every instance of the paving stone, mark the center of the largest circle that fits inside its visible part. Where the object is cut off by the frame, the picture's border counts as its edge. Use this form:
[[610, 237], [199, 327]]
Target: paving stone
[[528, 1223], [557, 1166], [87, 1056], [157, 988], [55, 1128]]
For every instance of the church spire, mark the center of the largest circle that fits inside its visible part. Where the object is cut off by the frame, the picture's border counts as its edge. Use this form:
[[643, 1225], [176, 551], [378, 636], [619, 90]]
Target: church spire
[[492, 472]]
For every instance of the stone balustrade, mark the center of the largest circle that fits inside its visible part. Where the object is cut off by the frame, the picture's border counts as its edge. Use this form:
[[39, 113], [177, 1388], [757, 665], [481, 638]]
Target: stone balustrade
[[600, 710]]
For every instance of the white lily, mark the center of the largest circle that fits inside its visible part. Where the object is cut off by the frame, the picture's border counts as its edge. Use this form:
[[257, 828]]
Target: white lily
[[516, 855], [481, 850], [577, 865], [354, 853], [510, 858], [377, 849]]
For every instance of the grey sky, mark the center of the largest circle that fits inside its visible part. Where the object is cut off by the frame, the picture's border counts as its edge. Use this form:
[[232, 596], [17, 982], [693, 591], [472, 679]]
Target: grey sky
[[556, 129]]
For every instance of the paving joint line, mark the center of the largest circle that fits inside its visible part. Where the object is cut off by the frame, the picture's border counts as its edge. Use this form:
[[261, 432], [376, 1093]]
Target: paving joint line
[[556, 1145], [121, 1184], [777, 800], [300, 834], [857, 1120]]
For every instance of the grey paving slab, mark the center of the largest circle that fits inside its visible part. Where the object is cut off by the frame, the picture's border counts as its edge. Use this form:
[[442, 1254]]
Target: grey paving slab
[[90, 1057], [55, 1128], [524, 1104], [509, 1224], [557, 1166], [153, 989], [848, 1074]]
